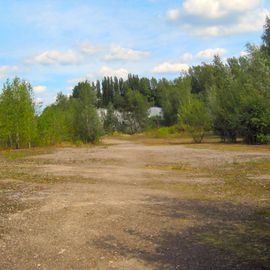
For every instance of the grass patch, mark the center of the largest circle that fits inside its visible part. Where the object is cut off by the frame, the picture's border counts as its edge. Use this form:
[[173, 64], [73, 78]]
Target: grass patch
[[244, 231], [238, 182], [17, 174], [238, 147], [248, 241], [181, 167], [163, 136], [23, 153], [172, 131]]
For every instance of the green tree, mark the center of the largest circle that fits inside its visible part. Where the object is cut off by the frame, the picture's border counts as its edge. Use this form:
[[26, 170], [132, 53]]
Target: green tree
[[224, 102], [266, 37], [195, 119], [111, 122], [55, 124], [87, 123], [202, 78], [173, 95], [17, 114], [255, 100], [136, 111]]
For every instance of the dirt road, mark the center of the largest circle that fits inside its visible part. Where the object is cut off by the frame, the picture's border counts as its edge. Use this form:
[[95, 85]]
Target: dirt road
[[109, 214]]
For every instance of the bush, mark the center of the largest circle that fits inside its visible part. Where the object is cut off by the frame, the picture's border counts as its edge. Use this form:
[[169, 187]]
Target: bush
[[195, 119], [263, 139], [164, 131]]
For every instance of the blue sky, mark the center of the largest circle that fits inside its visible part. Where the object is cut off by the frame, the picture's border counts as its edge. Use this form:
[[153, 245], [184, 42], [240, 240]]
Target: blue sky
[[55, 43]]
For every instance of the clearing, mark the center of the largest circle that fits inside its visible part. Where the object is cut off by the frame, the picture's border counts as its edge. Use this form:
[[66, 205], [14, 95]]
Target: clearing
[[136, 204]]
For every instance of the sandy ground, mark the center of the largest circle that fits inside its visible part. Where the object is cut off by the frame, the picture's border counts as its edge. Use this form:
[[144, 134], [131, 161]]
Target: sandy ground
[[108, 217]]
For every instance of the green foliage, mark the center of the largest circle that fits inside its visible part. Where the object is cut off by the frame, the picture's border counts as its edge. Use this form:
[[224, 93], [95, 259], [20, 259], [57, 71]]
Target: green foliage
[[202, 77], [135, 114], [255, 100], [266, 37], [87, 126], [154, 122], [55, 124], [224, 101], [71, 119], [17, 115], [164, 131], [263, 139], [172, 97], [194, 119], [111, 123]]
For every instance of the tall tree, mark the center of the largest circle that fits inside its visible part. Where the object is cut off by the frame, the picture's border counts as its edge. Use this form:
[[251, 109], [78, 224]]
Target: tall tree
[[56, 123], [87, 123], [111, 122], [17, 114], [266, 36], [136, 111]]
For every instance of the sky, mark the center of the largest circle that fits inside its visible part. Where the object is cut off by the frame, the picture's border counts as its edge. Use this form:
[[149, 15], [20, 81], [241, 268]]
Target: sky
[[54, 44]]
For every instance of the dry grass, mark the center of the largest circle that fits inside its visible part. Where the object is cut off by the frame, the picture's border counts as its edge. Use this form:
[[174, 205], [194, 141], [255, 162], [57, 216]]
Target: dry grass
[[167, 167], [238, 182], [242, 185], [27, 175], [13, 154], [173, 139], [239, 147]]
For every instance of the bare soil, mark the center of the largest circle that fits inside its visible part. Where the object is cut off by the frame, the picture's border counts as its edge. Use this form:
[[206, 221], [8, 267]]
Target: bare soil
[[103, 211]]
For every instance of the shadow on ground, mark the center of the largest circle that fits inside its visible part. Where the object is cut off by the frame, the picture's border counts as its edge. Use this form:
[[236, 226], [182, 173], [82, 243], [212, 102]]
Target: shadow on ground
[[216, 235]]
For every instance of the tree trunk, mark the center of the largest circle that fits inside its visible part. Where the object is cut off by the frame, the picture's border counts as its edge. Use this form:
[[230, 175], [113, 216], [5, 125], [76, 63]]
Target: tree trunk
[[17, 141]]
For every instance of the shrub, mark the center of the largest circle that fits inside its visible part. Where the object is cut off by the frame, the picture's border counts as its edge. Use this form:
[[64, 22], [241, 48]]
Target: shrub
[[195, 119]]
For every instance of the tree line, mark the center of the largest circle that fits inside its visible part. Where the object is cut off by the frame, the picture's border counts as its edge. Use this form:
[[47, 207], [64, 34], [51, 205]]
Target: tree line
[[229, 98]]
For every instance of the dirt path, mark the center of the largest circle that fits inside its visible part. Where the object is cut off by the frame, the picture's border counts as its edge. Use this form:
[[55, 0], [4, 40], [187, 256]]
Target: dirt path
[[108, 216]]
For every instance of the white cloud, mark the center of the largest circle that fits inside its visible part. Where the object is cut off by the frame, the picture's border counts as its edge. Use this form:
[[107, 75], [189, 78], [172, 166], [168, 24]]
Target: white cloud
[[80, 55], [170, 68], [210, 53], [220, 17], [108, 71], [120, 53], [104, 71], [173, 14], [244, 53], [75, 81], [213, 9], [7, 70], [249, 22], [186, 57], [40, 88], [90, 49], [56, 57]]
